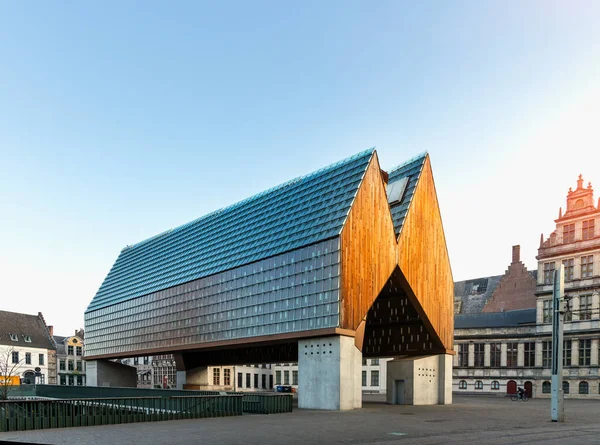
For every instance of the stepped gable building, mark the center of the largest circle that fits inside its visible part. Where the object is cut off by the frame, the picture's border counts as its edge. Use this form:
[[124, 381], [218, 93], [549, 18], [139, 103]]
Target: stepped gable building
[[346, 262]]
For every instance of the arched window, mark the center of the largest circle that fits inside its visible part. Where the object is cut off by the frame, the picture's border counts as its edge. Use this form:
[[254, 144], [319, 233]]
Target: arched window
[[495, 384], [584, 388], [478, 384], [565, 387], [462, 384], [546, 387]]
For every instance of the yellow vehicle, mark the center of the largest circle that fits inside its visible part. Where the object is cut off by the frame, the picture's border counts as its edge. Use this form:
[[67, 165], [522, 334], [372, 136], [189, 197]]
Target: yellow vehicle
[[12, 380]]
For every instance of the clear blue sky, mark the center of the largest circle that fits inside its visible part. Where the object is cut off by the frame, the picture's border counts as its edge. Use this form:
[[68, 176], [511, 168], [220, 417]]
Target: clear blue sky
[[119, 120]]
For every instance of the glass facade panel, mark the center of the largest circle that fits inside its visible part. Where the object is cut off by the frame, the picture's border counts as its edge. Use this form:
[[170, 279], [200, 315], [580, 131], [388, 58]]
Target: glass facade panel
[[292, 292]]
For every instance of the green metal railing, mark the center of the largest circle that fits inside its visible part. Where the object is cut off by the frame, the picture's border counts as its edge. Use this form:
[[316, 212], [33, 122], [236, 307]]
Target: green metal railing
[[81, 392], [21, 415], [267, 403]]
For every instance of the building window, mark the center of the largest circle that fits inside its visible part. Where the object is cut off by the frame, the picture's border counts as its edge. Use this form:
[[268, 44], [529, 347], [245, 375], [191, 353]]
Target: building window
[[364, 362], [364, 378], [136, 360], [568, 233], [374, 378], [227, 377], [79, 352], [63, 380], [240, 380], [256, 380], [146, 359], [479, 353], [80, 379], [15, 357], [62, 366], [546, 388], [495, 355], [14, 337], [547, 311], [248, 382], [79, 366], [584, 388], [549, 273], [463, 355], [216, 376], [495, 384], [263, 379], [286, 377], [27, 338], [70, 350], [71, 380], [28, 358], [462, 384], [270, 380], [566, 352], [547, 354], [585, 349], [295, 377], [529, 356], [375, 362], [41, 359], [587, 229], [569, 269], [70, 365], [565, 387], [585, 307], [278, 377], [511, 355], [478, 384], [587, 266]]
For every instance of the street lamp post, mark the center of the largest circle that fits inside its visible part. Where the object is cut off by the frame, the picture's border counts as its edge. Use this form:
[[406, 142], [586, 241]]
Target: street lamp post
[[557, 407]]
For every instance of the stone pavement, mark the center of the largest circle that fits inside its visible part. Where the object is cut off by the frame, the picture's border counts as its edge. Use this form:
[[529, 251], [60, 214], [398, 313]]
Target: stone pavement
[[475, 419]]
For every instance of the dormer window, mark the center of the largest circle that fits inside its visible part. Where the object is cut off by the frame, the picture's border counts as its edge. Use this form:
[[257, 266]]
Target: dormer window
[[27, 338], [14, 337]]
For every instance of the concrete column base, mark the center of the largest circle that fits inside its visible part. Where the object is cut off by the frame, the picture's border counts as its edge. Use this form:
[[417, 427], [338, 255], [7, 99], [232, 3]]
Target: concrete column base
[[424, 380], [329, 373], [107, 373]]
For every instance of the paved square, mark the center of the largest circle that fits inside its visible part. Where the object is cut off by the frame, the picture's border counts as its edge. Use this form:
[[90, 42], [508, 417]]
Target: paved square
[[490, 420]]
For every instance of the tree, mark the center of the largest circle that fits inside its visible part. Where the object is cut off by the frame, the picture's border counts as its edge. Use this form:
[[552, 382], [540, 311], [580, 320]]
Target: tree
[[8, 371]]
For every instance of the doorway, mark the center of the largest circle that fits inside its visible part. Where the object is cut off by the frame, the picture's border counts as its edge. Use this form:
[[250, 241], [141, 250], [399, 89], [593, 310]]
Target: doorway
[[511, 387], [399, 392], [529, 389]]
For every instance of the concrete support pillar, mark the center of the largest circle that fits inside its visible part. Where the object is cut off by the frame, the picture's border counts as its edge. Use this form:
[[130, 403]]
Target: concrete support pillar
[[425, 380], [329, 373], [503, 353], [486, 354], [107, 373], [594, 353], [455, 358], [520, 355], [471, 354]]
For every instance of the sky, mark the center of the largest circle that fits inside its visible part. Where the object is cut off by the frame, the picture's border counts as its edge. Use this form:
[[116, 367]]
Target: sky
[[122, 119]]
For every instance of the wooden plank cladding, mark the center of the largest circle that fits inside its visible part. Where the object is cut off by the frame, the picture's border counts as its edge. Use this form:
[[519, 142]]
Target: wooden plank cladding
[[424, 262], [368, 248]]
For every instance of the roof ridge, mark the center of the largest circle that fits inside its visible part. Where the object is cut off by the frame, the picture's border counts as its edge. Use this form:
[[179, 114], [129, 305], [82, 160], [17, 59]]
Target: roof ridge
[[411, 160], [253, 197]]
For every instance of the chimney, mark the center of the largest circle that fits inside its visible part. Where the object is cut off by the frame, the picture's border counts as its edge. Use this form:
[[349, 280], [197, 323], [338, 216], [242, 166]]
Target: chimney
[[51, 330], [516, 254]]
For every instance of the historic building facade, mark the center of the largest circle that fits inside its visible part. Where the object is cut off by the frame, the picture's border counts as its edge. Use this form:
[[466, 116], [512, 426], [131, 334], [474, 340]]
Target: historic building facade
[[25, 348], [503, 324], [69, 357], [575, 243]]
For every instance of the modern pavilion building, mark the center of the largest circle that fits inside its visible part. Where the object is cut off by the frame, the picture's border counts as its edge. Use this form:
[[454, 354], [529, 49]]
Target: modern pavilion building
[[344, 263]]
